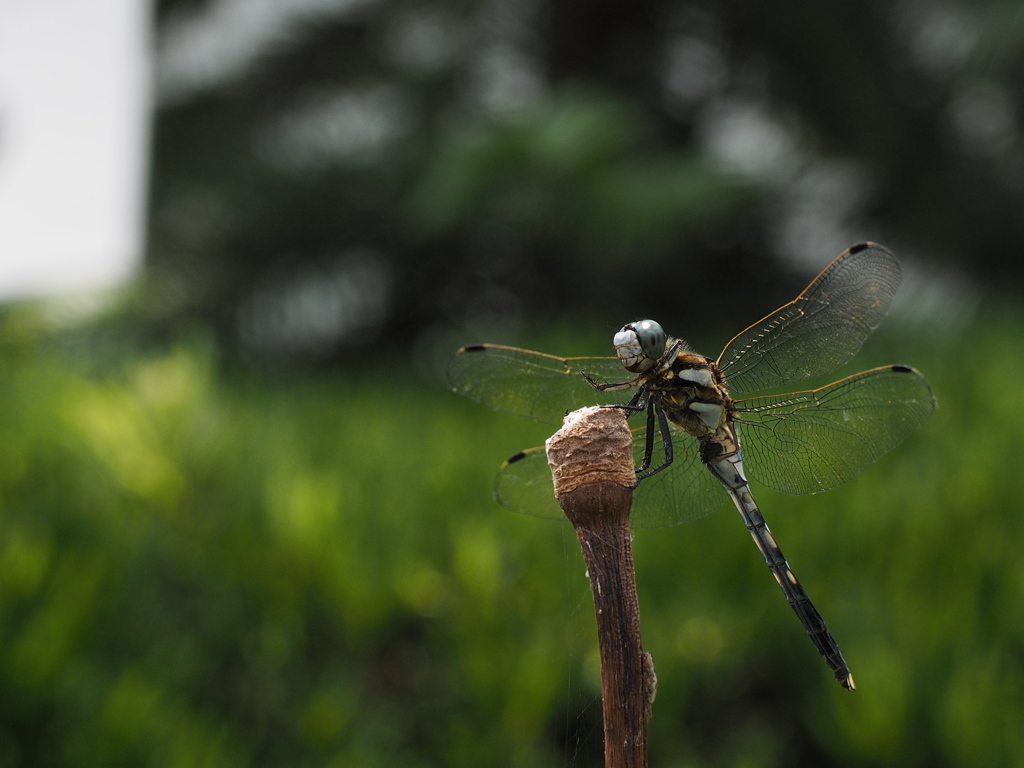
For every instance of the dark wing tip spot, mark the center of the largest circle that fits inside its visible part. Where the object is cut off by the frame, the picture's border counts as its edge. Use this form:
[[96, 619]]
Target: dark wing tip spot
[[516, 457], [902, 369], [474, 348], [868, 245]]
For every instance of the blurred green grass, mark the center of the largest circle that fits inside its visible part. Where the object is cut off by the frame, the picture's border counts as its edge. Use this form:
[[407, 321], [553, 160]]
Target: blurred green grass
[[210, 569]]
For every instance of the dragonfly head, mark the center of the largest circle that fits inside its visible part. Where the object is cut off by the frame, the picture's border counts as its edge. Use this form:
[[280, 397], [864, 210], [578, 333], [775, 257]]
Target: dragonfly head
[[640, 345]]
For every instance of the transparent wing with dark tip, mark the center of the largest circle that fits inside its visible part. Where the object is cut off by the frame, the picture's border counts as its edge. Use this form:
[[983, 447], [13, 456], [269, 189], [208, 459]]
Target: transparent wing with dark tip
[[523, 484], [821, 329], [684, 491], [531, 384], [806, 442]]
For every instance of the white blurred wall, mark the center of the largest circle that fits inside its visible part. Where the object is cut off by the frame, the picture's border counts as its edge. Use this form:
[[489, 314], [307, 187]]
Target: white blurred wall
[[74, 121]]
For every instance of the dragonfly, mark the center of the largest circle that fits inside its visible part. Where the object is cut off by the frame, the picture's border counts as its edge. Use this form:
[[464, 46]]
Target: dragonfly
[[697, 440]]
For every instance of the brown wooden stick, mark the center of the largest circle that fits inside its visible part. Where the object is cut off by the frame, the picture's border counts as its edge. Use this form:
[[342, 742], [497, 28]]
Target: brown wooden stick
[[591, 462]]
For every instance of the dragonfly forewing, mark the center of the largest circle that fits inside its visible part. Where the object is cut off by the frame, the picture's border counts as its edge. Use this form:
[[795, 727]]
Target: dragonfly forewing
[[806, 442], [821, 329], [531, 384]]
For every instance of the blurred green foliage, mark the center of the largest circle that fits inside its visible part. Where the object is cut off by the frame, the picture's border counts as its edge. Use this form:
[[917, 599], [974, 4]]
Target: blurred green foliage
[[571, 169], [205, 568]]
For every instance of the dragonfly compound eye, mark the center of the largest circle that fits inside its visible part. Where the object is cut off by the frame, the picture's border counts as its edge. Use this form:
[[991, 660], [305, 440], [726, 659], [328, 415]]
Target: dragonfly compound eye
[[640, 345], [652, 338]]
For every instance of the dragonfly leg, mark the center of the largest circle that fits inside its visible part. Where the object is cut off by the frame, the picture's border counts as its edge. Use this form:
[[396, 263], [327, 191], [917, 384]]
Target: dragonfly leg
[[607, 387], [648, 442], [666, 443], [637, 403]]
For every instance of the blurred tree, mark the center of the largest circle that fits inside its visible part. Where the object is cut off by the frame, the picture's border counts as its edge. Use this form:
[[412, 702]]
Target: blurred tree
[[329, 173]]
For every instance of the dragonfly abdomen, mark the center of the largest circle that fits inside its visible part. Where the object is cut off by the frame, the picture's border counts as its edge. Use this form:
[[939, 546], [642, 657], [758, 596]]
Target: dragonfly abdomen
[[724, 462], [794, 592]]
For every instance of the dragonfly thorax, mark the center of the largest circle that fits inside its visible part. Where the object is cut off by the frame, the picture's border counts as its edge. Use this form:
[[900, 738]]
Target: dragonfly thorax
[[693, 395], [640, 345]]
